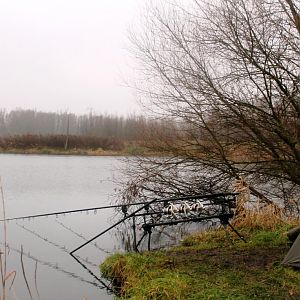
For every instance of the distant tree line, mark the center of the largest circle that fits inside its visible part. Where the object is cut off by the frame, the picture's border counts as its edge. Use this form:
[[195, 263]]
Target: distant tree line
[[32, 122]]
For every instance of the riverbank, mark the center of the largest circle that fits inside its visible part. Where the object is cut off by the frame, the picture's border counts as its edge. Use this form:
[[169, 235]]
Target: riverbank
[[208, 266], [52, 151], [127, 151]]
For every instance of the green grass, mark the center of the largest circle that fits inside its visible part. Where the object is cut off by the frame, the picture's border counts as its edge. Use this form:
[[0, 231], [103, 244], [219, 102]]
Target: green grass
[[209, 266]]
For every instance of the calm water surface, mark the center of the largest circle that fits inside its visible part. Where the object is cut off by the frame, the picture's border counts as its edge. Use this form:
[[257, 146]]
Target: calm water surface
[[35, 184]]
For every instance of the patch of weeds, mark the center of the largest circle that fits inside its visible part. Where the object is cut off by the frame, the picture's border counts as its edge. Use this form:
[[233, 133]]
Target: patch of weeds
[[206, 240], [166, 286], [267, 238]]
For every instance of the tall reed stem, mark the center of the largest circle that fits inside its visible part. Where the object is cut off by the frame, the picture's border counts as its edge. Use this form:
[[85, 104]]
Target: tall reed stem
[[3, 261]]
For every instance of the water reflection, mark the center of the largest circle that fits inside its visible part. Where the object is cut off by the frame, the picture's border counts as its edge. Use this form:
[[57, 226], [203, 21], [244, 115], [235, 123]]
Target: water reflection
[[42, 184], [60, 247], [57, 262], [54, 266], [82, 237]]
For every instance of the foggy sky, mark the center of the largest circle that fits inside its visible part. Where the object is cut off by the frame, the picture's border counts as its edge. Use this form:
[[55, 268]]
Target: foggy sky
[[66, 55]]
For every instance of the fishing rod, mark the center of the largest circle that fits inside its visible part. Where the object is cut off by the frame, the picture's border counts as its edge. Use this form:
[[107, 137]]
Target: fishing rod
[[122, 206], [69, 211]]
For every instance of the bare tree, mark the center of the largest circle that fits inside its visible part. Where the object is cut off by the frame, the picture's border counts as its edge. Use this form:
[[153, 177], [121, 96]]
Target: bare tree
[[227, 72]]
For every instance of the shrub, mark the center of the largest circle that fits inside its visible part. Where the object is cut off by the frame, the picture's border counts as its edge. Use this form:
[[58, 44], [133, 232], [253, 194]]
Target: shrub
[[28, 141]]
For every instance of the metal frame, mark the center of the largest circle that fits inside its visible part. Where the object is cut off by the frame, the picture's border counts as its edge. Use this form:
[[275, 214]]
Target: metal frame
[[216, 206]]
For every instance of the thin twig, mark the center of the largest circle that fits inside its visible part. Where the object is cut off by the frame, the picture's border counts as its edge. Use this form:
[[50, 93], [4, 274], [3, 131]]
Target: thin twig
[[3, 262], [2, 278], [24, 275], [14, 294], [12, 273], [35, 279]]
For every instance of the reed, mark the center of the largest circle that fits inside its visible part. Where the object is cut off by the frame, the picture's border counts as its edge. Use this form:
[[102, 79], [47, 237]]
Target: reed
[[8, 276], [252, 213], [24, 275], [5, 275]]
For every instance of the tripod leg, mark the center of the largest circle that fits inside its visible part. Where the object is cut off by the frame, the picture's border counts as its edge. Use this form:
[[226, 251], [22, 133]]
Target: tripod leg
[[237, 233], [149, 240], [139, 242], [227, 233], [134, 234]]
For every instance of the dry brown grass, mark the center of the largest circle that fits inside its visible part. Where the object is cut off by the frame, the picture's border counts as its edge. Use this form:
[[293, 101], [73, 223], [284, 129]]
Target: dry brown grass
[[267, 217], [255, 214], [31, 141]]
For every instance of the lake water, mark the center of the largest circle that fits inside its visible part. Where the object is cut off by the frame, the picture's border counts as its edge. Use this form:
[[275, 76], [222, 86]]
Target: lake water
[[35, 184]]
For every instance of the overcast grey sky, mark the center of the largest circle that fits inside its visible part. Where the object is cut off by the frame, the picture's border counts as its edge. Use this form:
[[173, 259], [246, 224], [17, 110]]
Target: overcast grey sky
[[66, 55]]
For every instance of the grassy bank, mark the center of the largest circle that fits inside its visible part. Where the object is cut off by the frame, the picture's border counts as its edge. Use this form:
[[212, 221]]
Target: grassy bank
[[126, 151], [53, 151], [209, 266]]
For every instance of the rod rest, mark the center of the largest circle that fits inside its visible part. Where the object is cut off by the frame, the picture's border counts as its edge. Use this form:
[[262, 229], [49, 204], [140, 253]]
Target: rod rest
[[224, 219]]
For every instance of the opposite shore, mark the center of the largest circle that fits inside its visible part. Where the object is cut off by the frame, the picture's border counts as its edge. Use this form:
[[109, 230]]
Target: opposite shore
[[127, 151]]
